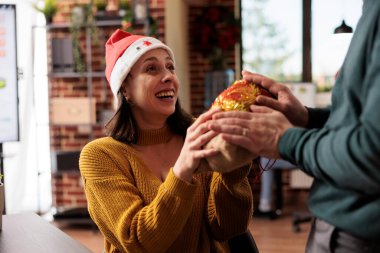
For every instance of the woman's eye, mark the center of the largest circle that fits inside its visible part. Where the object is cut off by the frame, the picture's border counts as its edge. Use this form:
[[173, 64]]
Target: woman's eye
[[151, 68], [171, 68]]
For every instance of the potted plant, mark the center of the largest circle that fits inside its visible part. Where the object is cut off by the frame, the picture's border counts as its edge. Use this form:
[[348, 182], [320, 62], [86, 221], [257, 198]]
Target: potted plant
[[82, 19], [77, 23], [100, 7], [48, 8], [216, 33], [124, 7]]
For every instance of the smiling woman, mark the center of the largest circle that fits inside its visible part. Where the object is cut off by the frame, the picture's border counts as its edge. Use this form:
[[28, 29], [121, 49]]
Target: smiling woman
[[152, 87], [144, 178]]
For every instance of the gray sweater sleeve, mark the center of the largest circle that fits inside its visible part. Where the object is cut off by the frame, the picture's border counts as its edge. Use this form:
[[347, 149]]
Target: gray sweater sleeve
[[346, 151]]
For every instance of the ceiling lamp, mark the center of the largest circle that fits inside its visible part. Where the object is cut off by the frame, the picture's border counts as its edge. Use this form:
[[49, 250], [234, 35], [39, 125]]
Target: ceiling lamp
[[343, 28]]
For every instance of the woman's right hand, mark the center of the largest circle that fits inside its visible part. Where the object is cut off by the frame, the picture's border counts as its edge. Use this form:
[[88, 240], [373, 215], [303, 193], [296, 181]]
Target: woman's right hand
[[286, 102], [198, 134]]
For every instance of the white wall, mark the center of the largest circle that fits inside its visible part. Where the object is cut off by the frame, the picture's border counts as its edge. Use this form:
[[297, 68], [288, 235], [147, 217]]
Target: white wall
[[27, 185]]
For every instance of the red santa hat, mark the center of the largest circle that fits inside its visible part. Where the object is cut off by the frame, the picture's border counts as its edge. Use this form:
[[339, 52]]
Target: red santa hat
[[122, 51]]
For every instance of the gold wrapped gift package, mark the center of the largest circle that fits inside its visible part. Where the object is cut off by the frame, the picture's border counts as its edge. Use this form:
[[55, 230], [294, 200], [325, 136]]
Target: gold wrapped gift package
[[239, 96]]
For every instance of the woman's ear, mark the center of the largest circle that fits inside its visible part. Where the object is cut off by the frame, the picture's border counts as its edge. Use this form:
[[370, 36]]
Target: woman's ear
[[124, 90], [126, 94]]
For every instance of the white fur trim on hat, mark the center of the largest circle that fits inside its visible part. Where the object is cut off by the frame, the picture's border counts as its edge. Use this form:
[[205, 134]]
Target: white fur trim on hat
[[130, 56]]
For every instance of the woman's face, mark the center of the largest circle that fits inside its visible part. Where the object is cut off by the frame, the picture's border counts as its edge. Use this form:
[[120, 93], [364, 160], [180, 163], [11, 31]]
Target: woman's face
[[152, 87]]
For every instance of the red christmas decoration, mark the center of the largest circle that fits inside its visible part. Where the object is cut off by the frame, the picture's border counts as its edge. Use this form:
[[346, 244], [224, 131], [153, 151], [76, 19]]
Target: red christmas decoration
[[216, 31]]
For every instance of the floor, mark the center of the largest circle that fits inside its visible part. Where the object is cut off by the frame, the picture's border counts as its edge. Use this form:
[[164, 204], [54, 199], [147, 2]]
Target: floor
[[271, 235], [86, 235], [277, 236]]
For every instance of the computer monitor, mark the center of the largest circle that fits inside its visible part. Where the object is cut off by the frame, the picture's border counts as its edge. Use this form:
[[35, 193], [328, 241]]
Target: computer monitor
[[9, 116]]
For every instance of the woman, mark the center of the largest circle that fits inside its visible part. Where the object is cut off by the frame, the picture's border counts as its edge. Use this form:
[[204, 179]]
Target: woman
[[141, 182]]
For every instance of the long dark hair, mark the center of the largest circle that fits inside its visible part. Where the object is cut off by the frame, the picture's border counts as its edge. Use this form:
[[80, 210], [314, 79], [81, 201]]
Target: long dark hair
[[123, 127]]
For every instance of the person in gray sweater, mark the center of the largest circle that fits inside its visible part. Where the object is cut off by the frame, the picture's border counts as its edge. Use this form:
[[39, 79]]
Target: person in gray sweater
[[338, 146]]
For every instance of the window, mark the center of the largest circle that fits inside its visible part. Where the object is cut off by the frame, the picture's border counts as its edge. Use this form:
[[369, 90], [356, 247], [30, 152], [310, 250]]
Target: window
[[329, 49], [272, 38]]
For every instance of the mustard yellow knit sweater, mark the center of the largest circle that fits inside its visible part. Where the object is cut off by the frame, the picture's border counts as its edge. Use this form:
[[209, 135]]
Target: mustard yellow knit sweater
[[136, 212]]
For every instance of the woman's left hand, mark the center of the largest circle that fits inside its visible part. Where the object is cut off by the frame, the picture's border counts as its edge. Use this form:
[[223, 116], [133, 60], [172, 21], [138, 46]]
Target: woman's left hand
[[258, 131], [198, 134]]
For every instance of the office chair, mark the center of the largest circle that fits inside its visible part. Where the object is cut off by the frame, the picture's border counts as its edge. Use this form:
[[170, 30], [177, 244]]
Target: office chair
[[299, 218], [243, 243]]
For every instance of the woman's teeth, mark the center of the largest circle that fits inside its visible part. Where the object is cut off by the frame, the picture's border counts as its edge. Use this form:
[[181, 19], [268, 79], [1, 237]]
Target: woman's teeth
[[165, 94]]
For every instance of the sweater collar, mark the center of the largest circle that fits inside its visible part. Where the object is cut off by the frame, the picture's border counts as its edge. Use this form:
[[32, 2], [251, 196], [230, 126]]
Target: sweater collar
[[155, 136]]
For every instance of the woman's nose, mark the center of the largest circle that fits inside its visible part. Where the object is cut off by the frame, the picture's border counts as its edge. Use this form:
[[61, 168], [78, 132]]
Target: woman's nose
[[167, 76]]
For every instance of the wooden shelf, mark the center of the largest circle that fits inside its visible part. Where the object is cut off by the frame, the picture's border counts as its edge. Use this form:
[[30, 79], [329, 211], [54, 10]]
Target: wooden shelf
[[67, 25], [76, 74]]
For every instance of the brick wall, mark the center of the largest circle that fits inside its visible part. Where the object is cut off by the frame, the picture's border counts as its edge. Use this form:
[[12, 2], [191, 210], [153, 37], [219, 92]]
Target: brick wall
[[68, 191]]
